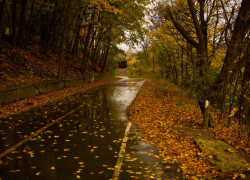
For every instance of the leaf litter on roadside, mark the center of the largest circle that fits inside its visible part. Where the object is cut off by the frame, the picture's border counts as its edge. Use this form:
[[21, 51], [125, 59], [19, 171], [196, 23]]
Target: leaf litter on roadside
[[155, 111]]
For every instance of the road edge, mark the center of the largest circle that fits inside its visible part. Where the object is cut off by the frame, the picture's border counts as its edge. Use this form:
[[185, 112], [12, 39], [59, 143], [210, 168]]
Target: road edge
[[121, 153]]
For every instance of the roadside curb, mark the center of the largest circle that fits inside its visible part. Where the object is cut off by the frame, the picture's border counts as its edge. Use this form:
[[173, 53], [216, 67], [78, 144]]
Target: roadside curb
[[12, 94]]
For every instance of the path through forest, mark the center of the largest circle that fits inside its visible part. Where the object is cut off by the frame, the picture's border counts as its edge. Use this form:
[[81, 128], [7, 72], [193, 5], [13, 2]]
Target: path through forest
[[80, 137]]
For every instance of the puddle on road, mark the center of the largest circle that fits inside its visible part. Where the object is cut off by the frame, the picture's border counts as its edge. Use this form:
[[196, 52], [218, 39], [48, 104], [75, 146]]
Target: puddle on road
[[83, 145]]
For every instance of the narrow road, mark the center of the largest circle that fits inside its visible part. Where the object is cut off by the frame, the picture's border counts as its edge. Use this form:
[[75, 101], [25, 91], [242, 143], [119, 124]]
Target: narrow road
[[81, 137]]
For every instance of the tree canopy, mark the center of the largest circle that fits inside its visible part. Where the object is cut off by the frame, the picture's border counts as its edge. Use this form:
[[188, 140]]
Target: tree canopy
[[202, 45], [89, 29]]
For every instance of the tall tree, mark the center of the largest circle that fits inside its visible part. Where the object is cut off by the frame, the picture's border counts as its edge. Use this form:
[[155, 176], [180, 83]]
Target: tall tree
[[63, 39], [14, 20], [28, 26], [22, 22], [238, 39], [107, 51], [86, 43], [2, 5]]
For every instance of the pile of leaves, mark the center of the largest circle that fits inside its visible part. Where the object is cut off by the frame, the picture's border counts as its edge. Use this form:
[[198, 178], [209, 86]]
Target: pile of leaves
[[45, 98], [25, 66], [157, 110]]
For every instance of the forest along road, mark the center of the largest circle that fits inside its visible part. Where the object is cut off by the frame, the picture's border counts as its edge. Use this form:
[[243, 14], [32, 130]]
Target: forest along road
[[81, 137]]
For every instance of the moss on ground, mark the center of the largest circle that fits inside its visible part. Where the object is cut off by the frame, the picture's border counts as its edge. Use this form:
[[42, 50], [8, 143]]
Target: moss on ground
[[225, 156]]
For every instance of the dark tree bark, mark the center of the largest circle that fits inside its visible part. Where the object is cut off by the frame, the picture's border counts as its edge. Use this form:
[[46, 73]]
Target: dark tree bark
[[1, 17], [54, 16], [105, 58], [14, 21], [44, 27], [241, 28], [28, 27], [75, 46], [63, 39], [91, 43], [175, 73], [107, 52], [22, 23], [153, 63], [9, 18], [53, 30], [86, 44], [244, 102], [102, 56], [94, 58], [182, 68], [50, 37]]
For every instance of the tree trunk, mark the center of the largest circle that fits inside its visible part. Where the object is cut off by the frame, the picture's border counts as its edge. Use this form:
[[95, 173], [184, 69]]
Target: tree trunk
[[201, 47], [105, 59], [44, 27], [153, 64], [54, 29], [63, 39], [175, 73], [241, 28], [87, 57], [95, 50], [50, 37], [14, 22], [244, 102], [75, 47], [1, 17], [182, 68], [54, 16], [102, 56], [9, 19], [91, 43], [28, 27], [86, 43], [205, 109], [22, 23]]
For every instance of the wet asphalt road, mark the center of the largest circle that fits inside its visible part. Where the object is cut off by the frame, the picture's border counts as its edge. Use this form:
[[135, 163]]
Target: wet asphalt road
[[82, 145]]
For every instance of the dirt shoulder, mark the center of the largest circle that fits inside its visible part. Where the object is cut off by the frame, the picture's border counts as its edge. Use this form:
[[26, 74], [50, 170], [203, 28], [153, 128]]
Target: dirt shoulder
[[172, 120]]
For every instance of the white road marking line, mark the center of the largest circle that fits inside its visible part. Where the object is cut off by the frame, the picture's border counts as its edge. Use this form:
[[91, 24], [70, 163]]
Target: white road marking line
[[36, 133], [121, 153]]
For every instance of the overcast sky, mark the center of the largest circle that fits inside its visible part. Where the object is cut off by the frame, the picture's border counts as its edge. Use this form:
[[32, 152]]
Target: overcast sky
[[123, 47]]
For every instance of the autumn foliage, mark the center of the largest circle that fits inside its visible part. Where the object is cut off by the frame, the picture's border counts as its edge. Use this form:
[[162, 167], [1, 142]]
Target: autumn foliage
[[23, 67], [160, 111]]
